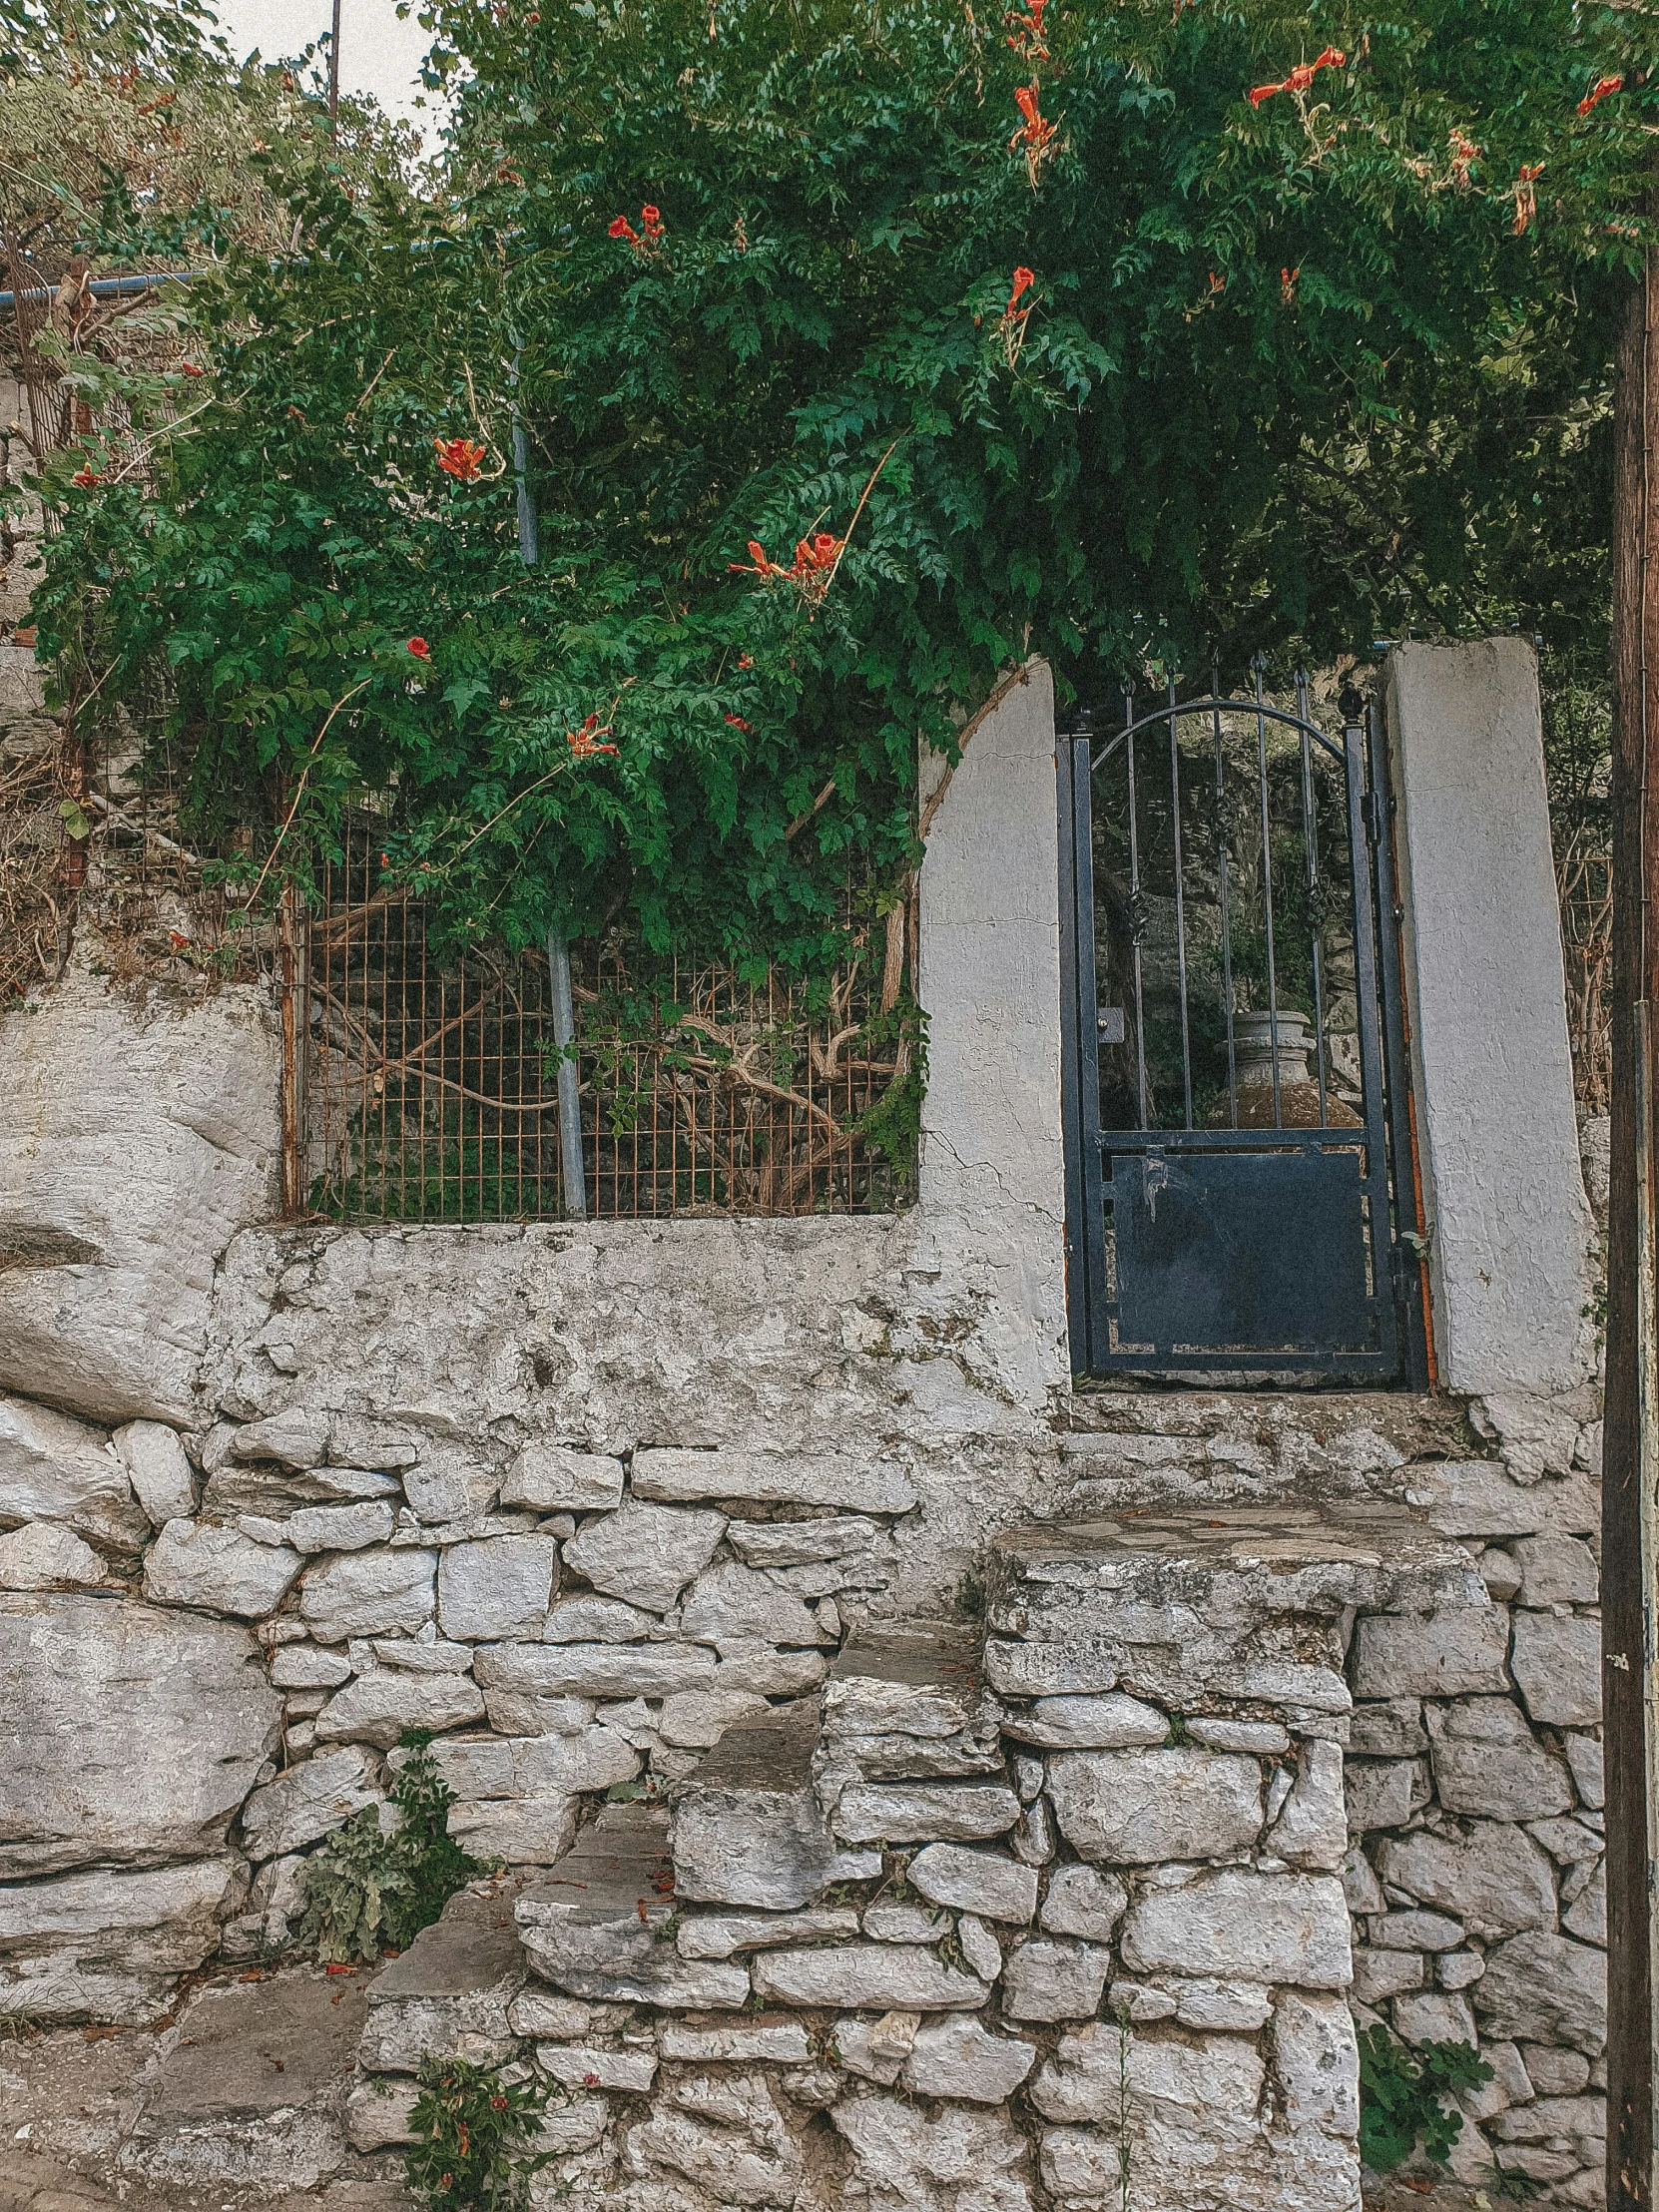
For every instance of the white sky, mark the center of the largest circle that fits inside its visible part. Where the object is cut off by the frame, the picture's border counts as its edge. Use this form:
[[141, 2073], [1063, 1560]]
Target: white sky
[[377, 53]]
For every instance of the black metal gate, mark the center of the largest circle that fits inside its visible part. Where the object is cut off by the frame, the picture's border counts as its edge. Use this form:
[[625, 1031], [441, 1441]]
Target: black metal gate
[[1235, 1072]]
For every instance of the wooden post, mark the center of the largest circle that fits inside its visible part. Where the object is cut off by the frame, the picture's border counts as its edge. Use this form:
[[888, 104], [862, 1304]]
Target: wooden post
[[1630, 1553]]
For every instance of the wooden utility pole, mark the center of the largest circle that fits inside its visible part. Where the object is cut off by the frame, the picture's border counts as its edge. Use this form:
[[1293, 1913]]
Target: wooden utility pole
[[1630, 1544], [334, 75]]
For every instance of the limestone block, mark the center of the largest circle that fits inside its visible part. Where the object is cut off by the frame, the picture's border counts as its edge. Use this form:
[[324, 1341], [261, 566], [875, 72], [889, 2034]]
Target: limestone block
[[584, 2066], [1480, 1498], [645, 1554], [976, 1881], [1537, 1436], [1584, 1757], [904, 1924], [520, 1680], [1082, 1901], [295, 1437], [587, 1758], [1557, 1663], [863, 1977], [497, 1589], [771, 2043], [801, 1543], [1311, 1829], [1392, 1729], [1459, 1970], [745, 2158], [919, 1811], [126, 1734], [957, 2058], [380, 2114], [1435, 2017], [1500, 1571], [358, 1441], [1546, 1989], [754, 1477], [341, 1527], [1381, 1975], [1487, 1761], [1234, 2007], [1451, 1651], [1550, 2116], [1048, 1980], [436, 1656], [876, 2051], [158, 1469], [1137, 1808], [755, 1847], [1083, 2082], [1554, 2072], [305, 1666], [696, 1719], [149, 1136], [622, 1959], [1109, 1723], [1194, 2132], [1263, 1738], [1494, 1878], [732, 1606], [534, 1830], [450, 1483], [722, 1935], [54, 1468], [569, 2128], [1416, 1930], [369, 1593], [1259, 1927], [1587, 1916], [556, 1478], [960, 2161], [598, 1620], [536, 2013], [1359, 1884], [378, 1707], [107, 1944], [982, 1953], [1316, 2060], [310, 1800], [1382, 1793], [219, 1569], [1557, 1570], [45, 1555]]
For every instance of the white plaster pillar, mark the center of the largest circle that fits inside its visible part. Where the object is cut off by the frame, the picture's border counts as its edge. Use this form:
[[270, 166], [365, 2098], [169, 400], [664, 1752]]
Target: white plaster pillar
[[993, 1182], [1510, 1229]]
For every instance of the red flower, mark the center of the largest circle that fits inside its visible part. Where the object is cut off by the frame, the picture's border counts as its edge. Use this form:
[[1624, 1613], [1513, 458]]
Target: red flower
[[1300, 77], [745, 659], [461, 458], [738, 723], [1023, 280], [191, 369], [1525, 196], [1599, 91], [1464, 151], [1287, 284], [1036, 136], [419, 648], [85, 478], [589, 2081], [622, 229], [1030, 40], [498, 2104], [585, 741], [650, 221]]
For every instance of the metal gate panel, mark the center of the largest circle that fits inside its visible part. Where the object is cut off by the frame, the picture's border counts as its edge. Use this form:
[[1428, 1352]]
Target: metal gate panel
[[1220, 1221]]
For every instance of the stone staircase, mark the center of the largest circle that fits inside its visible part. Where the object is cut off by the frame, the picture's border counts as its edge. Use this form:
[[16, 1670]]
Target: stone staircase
[[1006, 1911]]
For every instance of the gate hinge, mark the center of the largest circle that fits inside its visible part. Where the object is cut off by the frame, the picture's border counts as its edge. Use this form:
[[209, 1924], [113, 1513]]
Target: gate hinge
[[1374, 817]]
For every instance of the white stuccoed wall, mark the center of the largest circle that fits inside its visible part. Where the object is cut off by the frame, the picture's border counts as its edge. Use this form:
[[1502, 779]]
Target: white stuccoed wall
[[1504, 1192], [992, 1190]]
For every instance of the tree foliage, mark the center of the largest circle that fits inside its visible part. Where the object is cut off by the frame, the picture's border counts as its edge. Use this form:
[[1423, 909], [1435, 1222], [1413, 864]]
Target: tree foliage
[[855, 351]]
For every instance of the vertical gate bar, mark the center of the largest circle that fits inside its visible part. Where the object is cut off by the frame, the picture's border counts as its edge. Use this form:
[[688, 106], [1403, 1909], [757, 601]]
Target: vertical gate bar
[[1376, 1181], [1094, 1208], [1309, 838], [1266, 889], [1412, 1272], [1179, 908], [293, 1031], [1135, 906], [573, 1175], [1078, 1227], [1226, 909]]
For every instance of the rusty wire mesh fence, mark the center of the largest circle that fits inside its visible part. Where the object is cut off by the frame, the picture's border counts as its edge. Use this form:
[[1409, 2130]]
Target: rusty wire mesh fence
[[1585, 882], [426, 1085]]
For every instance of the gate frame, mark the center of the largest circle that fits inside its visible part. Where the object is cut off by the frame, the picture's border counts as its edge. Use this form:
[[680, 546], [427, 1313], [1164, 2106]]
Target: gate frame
[[1385, 1062]]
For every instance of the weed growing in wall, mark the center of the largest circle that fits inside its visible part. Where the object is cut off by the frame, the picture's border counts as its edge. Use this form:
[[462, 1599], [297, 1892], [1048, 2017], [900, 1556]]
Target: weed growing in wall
[[368, 1891], [473, 2131], [1402, 2097]]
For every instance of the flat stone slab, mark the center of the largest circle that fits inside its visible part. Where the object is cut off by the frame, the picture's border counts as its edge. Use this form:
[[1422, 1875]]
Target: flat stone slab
[[617, 1859], [474, 1947], [1364, 1532], [259, 2047]]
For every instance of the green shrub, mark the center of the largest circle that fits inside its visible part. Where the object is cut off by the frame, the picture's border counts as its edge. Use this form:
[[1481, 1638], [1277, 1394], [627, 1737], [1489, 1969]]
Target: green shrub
[[475, 2130], [1402, 2095], [368, 1892]]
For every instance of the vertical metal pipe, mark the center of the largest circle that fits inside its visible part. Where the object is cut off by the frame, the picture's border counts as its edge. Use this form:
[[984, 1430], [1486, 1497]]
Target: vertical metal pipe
[[1225, 911], [1135, 906], [570, 1081], [1179, 908], [1266, 889], [1309, 842]]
